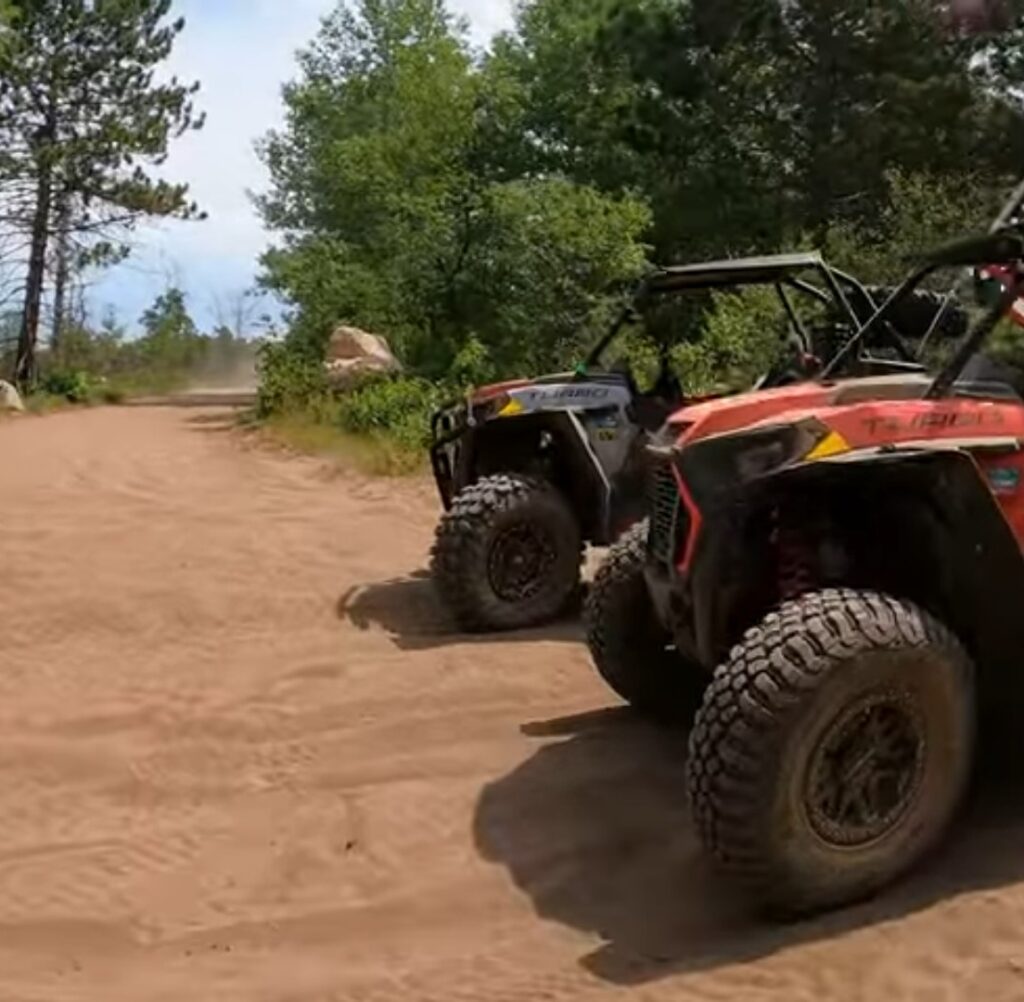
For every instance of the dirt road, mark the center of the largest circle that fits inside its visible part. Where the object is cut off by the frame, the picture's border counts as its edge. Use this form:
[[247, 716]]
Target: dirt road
[[242, 759]]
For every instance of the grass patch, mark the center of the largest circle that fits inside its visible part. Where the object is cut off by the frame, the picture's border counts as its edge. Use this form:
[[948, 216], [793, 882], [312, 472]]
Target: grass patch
[[373, 454], [47, 403]]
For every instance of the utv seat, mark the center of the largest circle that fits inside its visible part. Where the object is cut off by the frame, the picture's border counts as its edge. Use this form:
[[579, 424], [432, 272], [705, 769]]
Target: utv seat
[[910, 386], [914, 387]]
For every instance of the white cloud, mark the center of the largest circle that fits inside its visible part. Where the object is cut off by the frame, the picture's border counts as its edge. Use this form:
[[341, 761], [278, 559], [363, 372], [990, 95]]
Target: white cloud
[[241, 51]]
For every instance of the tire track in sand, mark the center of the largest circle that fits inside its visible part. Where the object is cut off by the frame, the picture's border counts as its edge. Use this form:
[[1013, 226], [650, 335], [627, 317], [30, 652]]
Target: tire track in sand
[[242, 759]]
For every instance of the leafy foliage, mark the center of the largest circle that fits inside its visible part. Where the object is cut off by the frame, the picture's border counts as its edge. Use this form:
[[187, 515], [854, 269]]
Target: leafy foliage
[[395, 216], [920, 211], [103, 363], [741, 339], [81, 114], [292, 378], [74, 385], [399, 408], [747, 122], [488, 212]]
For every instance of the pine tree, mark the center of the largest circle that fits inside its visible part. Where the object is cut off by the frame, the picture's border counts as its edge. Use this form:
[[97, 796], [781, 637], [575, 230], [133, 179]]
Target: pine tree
[[81, 117]]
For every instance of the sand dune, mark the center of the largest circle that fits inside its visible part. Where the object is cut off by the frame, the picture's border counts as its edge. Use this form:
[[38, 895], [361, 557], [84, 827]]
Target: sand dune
[[243, 757]]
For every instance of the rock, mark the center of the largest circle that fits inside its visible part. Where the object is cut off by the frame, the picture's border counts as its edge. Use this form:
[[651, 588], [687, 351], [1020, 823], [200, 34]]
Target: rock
[[353, 354], [10, 399], [350, 344]]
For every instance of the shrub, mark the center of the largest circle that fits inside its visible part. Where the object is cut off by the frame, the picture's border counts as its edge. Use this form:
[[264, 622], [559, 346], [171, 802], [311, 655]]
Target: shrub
[[73, 385], [398, 408], [292, 378], [741, 338], [473, 365]]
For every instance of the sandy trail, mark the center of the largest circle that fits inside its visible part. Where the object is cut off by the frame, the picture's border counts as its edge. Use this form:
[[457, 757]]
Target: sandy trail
[[240, 758]]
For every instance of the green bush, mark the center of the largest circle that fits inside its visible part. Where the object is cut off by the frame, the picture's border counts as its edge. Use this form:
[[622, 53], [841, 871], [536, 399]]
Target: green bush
[[740, 340], [73, 385], [291, 378], [473, 365], [399, 409]]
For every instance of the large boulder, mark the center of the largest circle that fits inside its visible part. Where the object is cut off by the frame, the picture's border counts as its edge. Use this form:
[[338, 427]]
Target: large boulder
[[10, 399], [353, 354]]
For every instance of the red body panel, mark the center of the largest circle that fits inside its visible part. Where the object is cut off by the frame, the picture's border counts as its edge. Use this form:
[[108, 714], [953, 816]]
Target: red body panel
[[1010, 498], [878, 422], [725, 414], [485, 393]]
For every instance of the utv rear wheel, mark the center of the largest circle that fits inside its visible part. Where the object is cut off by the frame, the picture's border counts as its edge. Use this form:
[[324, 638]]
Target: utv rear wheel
[[631, 649], [833, 748], [508, 554]]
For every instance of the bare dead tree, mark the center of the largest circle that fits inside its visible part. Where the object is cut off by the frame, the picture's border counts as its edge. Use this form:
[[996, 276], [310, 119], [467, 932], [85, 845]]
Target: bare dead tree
[[236, 311]]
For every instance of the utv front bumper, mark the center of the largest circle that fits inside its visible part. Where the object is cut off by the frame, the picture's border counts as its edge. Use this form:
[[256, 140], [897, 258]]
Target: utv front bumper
[[448, 427], [668, 541]]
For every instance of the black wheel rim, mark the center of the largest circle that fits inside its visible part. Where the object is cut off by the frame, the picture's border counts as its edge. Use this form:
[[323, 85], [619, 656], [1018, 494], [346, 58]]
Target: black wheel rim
[[866, 771], [520, 559]]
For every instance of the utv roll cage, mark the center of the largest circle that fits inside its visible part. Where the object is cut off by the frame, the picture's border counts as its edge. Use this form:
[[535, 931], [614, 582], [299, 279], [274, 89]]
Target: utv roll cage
[[805, 273], [787, 273], [1002, 245]]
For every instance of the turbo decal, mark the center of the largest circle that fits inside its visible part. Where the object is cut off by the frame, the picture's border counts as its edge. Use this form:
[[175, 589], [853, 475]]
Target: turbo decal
[[934, 421], [562, 395]]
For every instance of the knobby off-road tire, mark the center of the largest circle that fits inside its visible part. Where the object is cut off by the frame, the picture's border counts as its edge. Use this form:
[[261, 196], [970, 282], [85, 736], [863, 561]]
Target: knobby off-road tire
[[775, 766], [474, 557], [629, 646]]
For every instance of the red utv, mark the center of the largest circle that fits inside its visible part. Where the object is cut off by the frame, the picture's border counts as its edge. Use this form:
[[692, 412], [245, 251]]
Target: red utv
[[830, 582]]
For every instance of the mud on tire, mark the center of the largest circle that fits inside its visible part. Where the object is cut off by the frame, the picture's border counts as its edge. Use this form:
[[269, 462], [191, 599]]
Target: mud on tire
[[832, 749], [629, 646], [508, 554]]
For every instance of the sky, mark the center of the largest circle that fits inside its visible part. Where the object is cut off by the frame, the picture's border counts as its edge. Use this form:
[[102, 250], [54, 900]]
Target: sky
[[241, 51]]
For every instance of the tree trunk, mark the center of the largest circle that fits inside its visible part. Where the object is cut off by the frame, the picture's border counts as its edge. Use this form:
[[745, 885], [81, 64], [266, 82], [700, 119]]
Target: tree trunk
[[25, 368], [62, 275]]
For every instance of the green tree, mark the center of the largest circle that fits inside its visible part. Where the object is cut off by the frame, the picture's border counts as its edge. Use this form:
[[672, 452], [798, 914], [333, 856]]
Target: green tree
[[398, 213], [918, 211], [642, 96], [80, 117], [8, 12], [744, 122], [171, 342]]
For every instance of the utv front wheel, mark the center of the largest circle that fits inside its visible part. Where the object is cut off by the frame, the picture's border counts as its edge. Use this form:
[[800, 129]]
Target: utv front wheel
[[507, 556], [631, 649], [833, 748]]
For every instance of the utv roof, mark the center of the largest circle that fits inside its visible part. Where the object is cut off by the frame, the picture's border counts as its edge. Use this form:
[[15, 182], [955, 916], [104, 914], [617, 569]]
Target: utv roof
[[739, 271]]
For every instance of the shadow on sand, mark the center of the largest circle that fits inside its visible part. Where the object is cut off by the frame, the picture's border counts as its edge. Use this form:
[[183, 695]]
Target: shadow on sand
[[596, 831], [408, 610]]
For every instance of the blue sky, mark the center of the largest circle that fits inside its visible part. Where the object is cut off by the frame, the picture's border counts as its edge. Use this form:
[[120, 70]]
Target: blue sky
[[241, 51]]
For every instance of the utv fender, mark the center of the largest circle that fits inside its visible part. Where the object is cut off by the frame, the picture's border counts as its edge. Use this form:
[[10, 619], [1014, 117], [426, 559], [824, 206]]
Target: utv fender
[[922, 525], [514, 444]]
